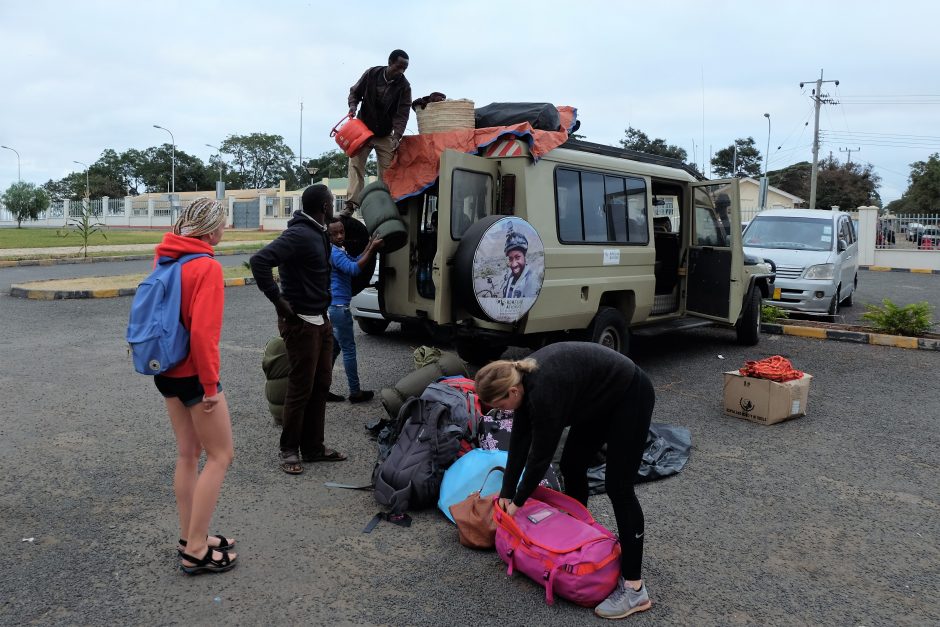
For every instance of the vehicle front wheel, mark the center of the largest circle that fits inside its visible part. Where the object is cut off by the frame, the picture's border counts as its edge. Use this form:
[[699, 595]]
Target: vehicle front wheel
[[851, 297], [748, 327], [609, 328], [372, 326], [834, 305]]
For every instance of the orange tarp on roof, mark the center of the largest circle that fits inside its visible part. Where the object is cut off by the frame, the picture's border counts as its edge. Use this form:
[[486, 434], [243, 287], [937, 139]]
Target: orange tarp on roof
[[416, 163]]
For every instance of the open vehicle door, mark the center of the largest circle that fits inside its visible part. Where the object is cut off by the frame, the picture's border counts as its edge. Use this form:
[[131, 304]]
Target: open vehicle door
[[715, 279], [466, 191]]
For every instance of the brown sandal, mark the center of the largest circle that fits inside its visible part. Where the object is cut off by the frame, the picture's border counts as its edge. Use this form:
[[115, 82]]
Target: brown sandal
[[290, 463], [328, 455]]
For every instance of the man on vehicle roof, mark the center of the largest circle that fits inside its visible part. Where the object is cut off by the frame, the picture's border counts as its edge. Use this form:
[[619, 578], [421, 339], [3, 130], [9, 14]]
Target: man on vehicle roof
[[385, 95]]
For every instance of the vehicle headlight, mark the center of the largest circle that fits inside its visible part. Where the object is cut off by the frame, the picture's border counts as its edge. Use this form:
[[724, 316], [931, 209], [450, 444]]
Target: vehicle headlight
[[820, 271]]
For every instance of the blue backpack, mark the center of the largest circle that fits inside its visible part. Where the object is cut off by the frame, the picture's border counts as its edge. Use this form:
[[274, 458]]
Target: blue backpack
[[156, 335]]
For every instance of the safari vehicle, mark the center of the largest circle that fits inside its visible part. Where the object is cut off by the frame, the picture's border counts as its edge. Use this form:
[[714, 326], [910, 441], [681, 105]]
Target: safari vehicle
[[616, 241]]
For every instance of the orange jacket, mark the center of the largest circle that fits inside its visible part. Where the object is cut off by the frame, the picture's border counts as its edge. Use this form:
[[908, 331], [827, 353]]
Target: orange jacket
[[202, 304]]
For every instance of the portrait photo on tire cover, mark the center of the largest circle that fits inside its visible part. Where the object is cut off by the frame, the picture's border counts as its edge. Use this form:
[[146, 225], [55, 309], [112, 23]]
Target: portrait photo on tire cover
[[508, 269]]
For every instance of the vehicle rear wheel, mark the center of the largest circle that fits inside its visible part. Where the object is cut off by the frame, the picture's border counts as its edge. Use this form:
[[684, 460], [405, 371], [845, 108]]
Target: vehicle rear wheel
[[477, 352], [609, 328], [372, 326], [748, 327], [834, 305]]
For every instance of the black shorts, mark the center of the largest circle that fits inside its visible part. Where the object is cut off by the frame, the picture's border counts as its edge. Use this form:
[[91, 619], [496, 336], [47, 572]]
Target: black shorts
[[187, 389]]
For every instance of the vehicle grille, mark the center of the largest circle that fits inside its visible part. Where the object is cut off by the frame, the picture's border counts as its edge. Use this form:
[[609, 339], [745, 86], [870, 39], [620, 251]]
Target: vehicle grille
[[789, 272]]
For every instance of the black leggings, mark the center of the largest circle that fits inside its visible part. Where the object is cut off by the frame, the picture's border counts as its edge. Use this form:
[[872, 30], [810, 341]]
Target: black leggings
[[624, 428]]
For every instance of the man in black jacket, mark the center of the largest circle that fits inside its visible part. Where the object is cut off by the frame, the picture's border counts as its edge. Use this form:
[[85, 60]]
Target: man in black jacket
[[302, 255], [385, 95]]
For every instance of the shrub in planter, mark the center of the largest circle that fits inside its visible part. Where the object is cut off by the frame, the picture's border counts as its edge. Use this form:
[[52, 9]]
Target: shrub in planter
[[770, 314], [911, 320]]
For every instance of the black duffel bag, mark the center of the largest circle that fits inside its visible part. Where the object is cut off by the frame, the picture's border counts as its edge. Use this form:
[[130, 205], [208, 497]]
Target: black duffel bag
[[541, 115]]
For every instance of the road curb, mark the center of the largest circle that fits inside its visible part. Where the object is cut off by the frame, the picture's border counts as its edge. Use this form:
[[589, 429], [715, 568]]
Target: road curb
[[857, 337], [890, 269], [38, 293], [59, 261]]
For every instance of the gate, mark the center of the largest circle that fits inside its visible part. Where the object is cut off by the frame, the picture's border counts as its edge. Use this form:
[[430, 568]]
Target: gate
[[245, 214]]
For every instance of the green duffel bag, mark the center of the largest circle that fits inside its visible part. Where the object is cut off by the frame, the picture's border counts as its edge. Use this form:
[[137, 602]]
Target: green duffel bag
[[278, 412], [413, 384], [274, 363], [275, 390], [381, 216]]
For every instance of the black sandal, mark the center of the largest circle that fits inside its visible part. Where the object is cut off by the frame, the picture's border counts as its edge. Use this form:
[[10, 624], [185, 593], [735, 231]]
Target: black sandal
[[206, 564], [224, 544]]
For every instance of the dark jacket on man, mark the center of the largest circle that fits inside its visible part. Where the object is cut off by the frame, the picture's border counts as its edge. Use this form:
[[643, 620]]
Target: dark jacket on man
[[302, 255], [386, 105]]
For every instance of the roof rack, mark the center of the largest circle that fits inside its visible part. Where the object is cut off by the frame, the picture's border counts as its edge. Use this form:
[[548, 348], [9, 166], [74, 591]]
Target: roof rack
[[634, 155]]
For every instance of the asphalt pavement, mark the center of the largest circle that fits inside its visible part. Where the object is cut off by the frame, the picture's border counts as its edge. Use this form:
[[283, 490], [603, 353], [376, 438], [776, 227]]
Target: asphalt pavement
[[831, 519]]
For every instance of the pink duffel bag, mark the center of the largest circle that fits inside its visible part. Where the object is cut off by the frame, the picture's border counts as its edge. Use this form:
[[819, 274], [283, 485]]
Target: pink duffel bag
[[555, 541]]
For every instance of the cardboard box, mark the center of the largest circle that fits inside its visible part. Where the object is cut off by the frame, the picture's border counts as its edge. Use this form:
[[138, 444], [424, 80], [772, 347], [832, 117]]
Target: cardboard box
[[764, 401]]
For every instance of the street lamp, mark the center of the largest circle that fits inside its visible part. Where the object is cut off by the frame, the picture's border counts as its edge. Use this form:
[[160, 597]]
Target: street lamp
[[87, 192], [220, 159], [172, 159], [18, 178], [763, 203]]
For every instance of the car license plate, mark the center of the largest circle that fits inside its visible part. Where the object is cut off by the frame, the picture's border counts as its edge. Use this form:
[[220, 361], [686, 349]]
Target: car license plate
[[776, 293]]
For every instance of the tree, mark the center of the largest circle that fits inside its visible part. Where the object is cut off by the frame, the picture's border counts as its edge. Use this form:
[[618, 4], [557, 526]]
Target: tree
[[259, 160], [635, 139], [747, 163], [25, 201], [923, 193], [847, 185], [155, 168]]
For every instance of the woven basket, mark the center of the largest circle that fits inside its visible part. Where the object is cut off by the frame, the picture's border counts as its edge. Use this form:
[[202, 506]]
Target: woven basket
[[447, 115]]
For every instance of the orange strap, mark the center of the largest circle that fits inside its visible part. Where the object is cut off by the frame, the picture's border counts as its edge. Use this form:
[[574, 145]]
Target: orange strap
[[775, 368]]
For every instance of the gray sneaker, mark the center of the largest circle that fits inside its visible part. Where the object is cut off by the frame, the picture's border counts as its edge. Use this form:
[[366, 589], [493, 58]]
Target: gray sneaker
[[624, 601]]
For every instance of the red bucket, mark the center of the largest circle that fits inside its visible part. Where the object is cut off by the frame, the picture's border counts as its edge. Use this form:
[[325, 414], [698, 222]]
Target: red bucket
[[351, 135]]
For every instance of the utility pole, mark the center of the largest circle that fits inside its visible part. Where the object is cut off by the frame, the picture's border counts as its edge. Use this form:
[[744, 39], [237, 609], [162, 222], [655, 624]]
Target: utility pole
[[300, 159], [850, 151], [818, 98]]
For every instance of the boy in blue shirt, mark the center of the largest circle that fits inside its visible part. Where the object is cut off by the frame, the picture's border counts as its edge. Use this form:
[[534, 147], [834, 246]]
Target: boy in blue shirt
[[345, 268]]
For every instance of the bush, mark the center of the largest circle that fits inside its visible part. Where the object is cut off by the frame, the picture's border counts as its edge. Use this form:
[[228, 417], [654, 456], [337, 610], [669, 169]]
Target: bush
[[912, 320], [770, 314]]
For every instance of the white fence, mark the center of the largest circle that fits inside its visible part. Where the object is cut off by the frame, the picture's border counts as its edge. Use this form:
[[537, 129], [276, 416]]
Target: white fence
[[896, 241]]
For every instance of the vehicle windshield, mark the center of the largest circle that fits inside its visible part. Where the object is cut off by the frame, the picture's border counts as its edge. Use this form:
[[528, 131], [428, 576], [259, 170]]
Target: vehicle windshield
[[789, 232]]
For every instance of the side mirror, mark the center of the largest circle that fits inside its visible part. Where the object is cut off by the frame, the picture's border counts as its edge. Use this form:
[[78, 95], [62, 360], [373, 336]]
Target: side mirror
[[842, 246]]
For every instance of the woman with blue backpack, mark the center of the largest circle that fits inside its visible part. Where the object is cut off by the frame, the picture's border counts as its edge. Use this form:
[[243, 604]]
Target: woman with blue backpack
[[605, 399], [192, 390]]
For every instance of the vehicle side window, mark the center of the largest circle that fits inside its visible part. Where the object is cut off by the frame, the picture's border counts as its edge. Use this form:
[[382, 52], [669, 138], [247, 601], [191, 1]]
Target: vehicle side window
[[707, 232], [845, 231], [568, 198], [471, 199], [593, 207]]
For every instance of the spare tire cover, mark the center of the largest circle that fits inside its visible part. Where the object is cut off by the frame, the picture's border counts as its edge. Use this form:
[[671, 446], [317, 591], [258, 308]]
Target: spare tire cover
[[499, 268]]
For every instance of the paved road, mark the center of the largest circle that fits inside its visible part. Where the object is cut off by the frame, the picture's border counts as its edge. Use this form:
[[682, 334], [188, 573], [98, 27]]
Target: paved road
[[830, 519]]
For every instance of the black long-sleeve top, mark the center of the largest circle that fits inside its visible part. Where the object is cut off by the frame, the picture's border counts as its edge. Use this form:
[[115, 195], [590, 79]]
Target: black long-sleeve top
[[386, 105], [302, 255], [575, 382]]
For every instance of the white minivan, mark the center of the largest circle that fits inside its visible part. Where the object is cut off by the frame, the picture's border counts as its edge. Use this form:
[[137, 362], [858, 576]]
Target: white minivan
[[816, 256]]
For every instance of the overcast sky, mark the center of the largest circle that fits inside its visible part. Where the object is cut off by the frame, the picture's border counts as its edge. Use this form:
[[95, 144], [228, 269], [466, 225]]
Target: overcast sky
[[81, 77]]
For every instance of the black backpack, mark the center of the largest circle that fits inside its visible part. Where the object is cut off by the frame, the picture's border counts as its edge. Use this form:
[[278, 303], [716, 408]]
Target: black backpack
[[428, 440]]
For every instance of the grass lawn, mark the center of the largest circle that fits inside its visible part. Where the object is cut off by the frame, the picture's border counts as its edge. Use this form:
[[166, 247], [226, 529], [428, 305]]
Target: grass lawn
[[49, 237]]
